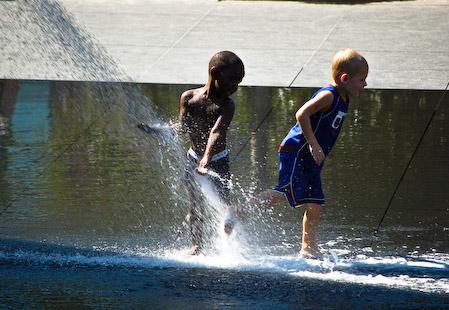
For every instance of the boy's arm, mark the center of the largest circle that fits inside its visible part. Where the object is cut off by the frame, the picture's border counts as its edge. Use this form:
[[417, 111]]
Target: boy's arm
[[180, 126], [177, 127], [321, 102], [217, 133]]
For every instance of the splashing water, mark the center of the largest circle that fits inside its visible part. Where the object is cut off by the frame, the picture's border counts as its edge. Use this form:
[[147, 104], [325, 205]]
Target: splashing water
[[420, 274], [72, 49], [44, 32], [69, 47]]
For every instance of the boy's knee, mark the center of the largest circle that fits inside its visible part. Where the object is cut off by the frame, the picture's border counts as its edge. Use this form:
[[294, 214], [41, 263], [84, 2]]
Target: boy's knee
[[313, 206]]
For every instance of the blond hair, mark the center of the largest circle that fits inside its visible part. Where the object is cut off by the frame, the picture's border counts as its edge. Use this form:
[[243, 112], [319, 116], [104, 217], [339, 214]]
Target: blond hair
[[347, 61]]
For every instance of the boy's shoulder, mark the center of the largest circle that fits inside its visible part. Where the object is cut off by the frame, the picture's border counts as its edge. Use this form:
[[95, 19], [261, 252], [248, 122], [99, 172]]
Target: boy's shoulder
[[323, 99], [190, 93], [326, 90], [329, 93], [325, 93], [191, 96]]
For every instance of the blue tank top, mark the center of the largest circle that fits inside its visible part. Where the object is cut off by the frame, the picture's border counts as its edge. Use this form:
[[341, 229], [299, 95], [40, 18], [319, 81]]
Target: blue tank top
[[325, 125]]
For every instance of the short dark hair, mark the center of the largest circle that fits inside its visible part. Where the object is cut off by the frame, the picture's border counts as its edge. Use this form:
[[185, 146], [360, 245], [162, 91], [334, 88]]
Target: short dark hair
[[226, 59]]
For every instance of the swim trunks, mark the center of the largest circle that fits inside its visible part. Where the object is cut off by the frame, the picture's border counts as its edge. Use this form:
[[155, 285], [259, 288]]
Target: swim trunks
[[299, 175], [219, 164], [299, 178]]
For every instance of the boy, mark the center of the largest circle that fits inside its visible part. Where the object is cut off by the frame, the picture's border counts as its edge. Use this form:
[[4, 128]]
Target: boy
[[205, 113], [304, 149]]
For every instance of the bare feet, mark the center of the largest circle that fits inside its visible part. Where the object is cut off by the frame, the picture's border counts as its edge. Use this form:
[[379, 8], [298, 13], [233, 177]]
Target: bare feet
[[229, 226], [194, 250], [311, 253], [309, 248], [230, 220]]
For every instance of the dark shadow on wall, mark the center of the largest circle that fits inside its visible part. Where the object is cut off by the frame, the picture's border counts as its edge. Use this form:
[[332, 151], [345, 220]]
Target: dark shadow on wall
[[9, 90]]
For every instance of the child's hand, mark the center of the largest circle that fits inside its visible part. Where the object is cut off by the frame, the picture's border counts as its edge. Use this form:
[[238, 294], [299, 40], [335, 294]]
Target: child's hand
[[201, 169], [317, 153]]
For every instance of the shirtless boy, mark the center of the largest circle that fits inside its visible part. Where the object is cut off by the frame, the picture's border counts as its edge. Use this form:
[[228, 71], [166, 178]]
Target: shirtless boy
[[205, 114]]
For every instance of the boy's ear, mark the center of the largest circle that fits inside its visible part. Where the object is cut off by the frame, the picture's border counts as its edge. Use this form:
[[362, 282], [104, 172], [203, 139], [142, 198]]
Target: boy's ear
[[213, 72], [344, 78]]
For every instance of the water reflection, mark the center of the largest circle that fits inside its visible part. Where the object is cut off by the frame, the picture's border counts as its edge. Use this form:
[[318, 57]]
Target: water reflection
[[75, 169]]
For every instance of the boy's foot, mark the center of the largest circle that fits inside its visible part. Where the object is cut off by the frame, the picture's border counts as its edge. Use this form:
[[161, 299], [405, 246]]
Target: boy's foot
[[194, 250], [229, 225], [230, 220], [311, 254]]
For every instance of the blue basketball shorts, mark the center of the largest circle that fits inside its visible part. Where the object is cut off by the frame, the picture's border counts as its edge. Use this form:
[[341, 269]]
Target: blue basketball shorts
[[299, 178]]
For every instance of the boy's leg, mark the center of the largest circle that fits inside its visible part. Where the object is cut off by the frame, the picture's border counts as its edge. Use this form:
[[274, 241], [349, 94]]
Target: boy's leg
[[264, 199], [271, 197], [195, 213], [195, 222], [223, 187], [309, 247], [234, 213]]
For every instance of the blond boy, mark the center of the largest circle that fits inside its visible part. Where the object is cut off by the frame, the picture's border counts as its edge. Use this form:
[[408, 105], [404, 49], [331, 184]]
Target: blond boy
[[303, 151]]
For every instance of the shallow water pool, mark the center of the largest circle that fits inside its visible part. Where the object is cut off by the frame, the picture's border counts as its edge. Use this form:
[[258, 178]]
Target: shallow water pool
[[92, 209]]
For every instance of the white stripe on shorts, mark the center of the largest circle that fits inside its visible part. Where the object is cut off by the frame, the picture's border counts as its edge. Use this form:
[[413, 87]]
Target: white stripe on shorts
[[215, 157]]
